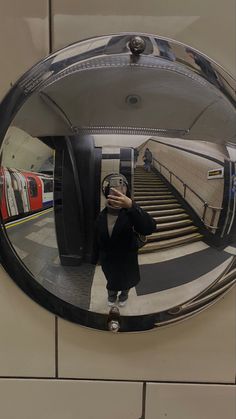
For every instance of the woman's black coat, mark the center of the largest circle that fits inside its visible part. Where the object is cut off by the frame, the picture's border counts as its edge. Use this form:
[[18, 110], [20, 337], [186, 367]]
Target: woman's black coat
[[118, 253]]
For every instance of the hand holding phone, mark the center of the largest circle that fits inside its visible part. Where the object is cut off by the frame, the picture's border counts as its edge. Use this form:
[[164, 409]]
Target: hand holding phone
[[118, 200]]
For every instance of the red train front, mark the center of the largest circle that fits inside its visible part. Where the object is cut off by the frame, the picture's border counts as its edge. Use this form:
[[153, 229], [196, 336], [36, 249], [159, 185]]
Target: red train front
[[24, 192]]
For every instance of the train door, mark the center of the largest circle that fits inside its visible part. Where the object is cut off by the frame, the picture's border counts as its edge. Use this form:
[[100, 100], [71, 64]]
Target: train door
[[11, 203], [47, 192], [2, 194], [34, 191], [21, 192]]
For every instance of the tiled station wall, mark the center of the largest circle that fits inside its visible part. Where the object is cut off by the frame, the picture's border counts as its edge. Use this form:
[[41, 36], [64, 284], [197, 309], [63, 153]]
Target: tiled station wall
[[205, 25], [53, 369], [23, 151], [192, 170]]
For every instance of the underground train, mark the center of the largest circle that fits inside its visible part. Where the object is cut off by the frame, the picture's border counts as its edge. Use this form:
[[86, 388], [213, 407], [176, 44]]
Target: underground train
[[24, 192]]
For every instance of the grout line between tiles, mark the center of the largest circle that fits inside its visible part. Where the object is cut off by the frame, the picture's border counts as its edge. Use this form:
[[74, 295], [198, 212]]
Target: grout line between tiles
[[144, 401], [56, 347], [50, 26], [53, 378]]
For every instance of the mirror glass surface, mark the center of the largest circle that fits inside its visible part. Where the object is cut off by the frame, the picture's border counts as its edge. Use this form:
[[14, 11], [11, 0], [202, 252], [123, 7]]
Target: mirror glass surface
[[156, 132]]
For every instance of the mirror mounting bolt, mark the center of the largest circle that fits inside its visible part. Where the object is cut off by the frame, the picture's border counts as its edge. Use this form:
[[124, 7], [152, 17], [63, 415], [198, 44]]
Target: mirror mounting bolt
[[113, 321], [137, 45]]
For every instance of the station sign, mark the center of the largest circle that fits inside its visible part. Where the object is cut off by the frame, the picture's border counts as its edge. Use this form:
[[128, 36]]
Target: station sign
[[216, 173]]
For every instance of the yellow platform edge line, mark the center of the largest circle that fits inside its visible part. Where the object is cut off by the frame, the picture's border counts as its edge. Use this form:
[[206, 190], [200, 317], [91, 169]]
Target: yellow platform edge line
[[31, 217]]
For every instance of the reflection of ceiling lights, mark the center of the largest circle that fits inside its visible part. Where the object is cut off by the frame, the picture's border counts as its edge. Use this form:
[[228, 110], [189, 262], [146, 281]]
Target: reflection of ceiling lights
[[133, 100]]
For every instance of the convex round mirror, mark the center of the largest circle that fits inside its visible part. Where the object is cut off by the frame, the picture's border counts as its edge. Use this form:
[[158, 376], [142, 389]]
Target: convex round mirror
[[118, 182]]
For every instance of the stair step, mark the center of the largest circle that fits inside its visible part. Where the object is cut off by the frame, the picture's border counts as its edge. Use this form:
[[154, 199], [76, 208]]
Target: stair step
[[171, 233], [147, 179], [154, 194], [173, 224], [153, 178], [141, 179], [149, 184], [166, 212], [152, 191], [171, 217], [143, 172], [159, 206], [149, 189], [146, 176], [157, 200], [177, 241], [151, 196], [162, 196]]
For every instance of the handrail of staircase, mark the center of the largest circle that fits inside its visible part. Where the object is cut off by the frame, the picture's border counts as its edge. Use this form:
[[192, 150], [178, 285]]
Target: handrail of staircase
[[205, 203]]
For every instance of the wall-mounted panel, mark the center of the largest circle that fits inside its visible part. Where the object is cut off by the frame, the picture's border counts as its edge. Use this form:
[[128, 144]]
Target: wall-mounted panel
[[202, 25]]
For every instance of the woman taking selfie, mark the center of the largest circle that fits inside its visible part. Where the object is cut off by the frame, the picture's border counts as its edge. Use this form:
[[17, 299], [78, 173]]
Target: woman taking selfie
[[117, 229]]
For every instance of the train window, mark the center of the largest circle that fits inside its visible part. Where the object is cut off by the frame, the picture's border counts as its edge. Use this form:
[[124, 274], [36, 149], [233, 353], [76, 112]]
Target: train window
[[33, 188], [123, 132], [48, 185]]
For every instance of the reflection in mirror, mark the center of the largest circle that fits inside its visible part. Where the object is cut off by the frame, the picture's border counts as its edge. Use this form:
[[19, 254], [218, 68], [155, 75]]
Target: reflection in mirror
[[125, 195], [27, 166], [184, 188]]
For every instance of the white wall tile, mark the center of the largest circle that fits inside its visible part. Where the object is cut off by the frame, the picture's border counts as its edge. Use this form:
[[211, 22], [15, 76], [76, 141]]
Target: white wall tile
[[27, 334], [34, 399], [201, 349], [24, 38], [181, 401], [194, 23]]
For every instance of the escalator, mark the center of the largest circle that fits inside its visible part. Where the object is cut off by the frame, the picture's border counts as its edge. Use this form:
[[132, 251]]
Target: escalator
[[174, 225]]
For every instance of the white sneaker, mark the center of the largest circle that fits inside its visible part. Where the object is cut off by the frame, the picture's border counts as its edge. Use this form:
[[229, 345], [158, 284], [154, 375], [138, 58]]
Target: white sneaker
[[111, 303], [122, 303]]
